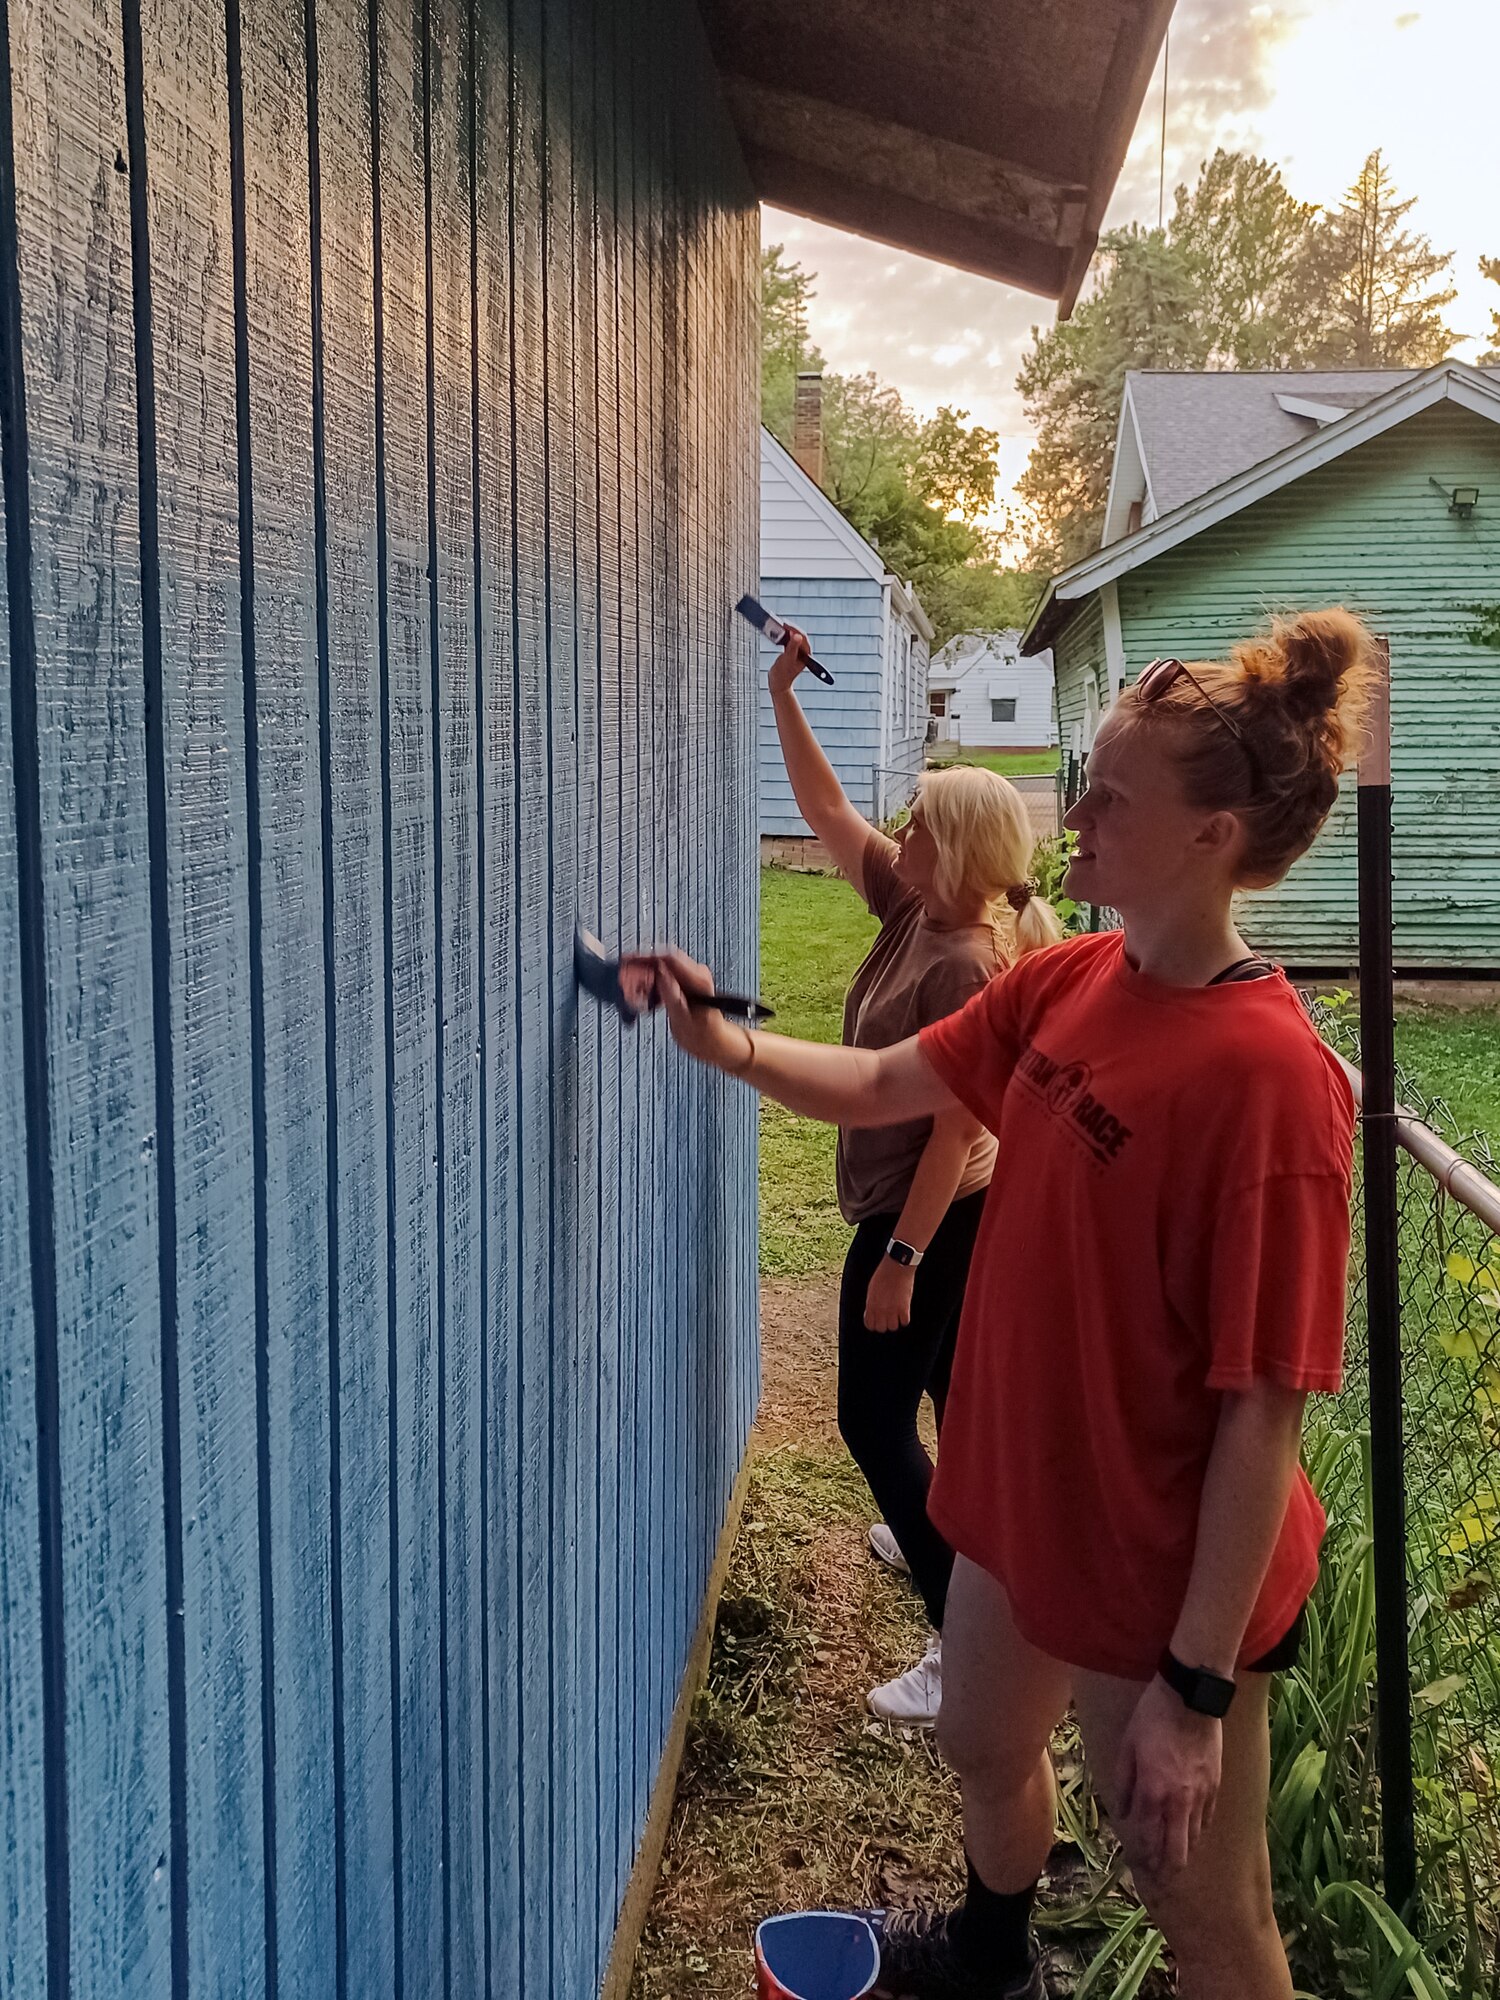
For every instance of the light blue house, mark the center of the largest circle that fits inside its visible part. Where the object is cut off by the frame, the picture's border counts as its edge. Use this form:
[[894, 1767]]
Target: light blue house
[[868, 629]]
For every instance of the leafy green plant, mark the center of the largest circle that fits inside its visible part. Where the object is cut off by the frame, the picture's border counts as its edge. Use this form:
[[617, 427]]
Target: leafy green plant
[[1049, 864]]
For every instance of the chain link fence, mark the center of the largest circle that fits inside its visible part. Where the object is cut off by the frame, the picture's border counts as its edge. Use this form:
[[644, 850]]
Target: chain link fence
[[1450, 1301]]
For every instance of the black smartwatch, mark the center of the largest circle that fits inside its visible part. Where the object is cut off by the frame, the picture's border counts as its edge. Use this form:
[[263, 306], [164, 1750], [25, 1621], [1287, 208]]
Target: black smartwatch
[[1203, 1692], [903, 1253]]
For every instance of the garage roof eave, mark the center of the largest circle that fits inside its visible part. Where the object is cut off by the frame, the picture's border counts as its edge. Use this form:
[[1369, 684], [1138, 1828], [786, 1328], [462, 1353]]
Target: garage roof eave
[[987, 134]]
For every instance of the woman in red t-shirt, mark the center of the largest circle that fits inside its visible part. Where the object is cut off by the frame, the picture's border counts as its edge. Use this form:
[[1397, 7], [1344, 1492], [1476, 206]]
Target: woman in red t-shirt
[[1159, 1282]]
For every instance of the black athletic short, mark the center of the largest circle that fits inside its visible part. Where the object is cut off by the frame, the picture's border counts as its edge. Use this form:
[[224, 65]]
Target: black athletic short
[[1284, 1653]]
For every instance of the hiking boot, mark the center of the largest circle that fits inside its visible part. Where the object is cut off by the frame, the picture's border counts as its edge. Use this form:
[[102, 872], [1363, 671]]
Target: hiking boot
[[885, 1545], [920, 1959], [915, 1696]]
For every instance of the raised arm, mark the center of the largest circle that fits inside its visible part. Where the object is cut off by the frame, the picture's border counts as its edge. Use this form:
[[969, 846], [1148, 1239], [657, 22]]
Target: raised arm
[[850, 1087], [820, 797]]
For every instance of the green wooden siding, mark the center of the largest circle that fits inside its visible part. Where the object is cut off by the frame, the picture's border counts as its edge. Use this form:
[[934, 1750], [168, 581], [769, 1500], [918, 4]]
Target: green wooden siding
[[1368, 531], [1079, 653]]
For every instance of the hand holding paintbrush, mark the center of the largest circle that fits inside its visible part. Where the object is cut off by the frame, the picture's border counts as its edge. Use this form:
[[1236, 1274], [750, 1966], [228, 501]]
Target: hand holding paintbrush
[[630, 984]]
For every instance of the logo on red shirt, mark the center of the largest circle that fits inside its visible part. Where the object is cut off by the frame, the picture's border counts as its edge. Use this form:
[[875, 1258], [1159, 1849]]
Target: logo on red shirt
[[1066, 1090]]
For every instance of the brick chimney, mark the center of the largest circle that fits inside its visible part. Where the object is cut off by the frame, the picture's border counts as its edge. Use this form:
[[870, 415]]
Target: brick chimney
[[807, 424]]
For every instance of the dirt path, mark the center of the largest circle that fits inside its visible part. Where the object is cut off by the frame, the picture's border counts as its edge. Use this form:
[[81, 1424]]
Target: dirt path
[[791, 1795], [799, 1362]]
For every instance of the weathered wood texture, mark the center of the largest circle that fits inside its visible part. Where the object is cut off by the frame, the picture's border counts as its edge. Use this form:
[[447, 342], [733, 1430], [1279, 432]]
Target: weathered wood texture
[[377, 1332]]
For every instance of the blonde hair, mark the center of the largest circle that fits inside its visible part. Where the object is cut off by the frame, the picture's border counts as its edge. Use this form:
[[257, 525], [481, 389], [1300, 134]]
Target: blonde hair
[[982, 832], [1297, 697]]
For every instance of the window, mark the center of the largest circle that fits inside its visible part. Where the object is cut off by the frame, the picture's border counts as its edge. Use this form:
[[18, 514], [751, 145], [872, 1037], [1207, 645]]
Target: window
[[1003, 708], [937, 701]]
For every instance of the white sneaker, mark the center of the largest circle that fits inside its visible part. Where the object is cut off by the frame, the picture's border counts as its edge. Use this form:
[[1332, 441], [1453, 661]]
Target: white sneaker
[[915, 1696], [885, 1545]]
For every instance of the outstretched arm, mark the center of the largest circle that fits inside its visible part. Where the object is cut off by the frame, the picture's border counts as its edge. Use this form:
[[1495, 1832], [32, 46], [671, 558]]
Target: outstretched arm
[[851, 1087], [821, 799]]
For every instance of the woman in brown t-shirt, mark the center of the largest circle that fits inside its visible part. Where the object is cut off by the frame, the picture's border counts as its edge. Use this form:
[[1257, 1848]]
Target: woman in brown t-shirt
[[955, 905]]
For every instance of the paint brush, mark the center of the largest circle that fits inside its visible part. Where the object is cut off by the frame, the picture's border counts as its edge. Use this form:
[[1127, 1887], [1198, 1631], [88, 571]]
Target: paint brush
[[767, 622], [600, 975]]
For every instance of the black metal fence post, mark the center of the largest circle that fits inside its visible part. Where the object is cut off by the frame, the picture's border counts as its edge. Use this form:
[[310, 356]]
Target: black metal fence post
[[1383, 1303]]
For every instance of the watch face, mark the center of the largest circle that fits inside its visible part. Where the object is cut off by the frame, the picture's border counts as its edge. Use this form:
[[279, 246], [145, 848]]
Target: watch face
[[1211, 1695]]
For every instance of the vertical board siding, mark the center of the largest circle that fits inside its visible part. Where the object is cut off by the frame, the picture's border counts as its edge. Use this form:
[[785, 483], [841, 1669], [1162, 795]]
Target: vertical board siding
[[202, 717], [106, 1758], [282, 653], [449, 64], [369, 1412], [23, 1753], [496, 773], [410, 888], [355, 972]]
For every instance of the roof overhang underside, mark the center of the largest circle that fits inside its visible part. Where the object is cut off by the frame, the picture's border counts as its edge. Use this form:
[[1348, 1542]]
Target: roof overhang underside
[[984, 133]]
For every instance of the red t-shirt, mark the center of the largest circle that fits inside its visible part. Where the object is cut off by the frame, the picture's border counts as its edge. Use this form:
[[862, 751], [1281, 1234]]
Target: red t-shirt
[[1169, 1219]]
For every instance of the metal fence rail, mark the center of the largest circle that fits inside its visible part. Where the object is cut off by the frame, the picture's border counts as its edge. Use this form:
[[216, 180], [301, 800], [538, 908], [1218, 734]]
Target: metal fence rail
[[1449, 1254]]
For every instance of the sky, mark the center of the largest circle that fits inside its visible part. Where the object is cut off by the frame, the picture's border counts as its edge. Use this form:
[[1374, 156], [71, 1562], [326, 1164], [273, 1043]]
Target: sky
[[1314, 85]]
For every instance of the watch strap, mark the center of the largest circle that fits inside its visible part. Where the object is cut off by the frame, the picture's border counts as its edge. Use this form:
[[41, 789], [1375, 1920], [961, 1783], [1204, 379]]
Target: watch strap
[[1204, 1692]]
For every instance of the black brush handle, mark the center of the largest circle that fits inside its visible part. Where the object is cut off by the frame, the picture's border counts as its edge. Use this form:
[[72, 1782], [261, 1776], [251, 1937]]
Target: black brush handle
[[733, 1003]]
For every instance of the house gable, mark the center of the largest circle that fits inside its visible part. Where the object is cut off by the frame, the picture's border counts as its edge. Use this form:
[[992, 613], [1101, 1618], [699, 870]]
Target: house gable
[[802, 533], [1473, 389]]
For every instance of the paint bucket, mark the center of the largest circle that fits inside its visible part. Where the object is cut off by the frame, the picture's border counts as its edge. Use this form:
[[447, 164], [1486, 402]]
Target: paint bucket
[[815, 1955]]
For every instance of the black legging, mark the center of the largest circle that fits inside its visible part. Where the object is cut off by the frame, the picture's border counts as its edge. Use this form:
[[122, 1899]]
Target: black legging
[[883, 1376]]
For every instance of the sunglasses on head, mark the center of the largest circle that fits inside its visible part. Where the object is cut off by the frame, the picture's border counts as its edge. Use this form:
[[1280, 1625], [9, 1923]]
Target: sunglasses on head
[[1163, 674]]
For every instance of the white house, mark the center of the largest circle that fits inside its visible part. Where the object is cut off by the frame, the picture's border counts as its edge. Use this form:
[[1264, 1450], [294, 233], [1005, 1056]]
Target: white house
[[866, 626], [985, 694]]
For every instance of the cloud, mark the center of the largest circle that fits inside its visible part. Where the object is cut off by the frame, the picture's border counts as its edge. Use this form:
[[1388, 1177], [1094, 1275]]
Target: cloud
[[1220, 79]]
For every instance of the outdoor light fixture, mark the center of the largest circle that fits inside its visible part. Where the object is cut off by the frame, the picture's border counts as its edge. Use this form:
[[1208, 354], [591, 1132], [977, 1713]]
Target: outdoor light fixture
[[1462, 500]]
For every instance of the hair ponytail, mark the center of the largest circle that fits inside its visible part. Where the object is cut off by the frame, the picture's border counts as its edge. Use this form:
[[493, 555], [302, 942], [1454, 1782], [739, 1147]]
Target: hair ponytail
[[1037, 923]]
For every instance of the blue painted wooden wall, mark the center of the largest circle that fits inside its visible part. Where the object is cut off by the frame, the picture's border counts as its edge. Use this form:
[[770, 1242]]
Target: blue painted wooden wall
[[377, 1331]]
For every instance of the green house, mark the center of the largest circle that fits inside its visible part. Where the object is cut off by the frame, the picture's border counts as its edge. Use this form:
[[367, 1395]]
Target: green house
[[1237, 496]]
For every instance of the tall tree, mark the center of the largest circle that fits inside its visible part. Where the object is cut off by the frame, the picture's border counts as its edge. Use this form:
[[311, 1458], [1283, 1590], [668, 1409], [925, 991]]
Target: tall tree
[[1382, 306], [1489, 267], [1248, 241], [870, 443], [785, 291], [1143, 313]]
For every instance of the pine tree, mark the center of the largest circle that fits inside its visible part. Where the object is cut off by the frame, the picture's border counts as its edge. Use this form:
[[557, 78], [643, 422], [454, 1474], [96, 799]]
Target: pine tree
[[1371, 281]]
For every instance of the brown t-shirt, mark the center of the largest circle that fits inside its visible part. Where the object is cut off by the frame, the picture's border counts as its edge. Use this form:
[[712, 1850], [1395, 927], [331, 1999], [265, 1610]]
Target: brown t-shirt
[[916, 973]]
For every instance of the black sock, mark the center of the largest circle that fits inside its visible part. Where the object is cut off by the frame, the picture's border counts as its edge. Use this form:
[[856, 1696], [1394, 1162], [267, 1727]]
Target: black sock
[[994, 1931]]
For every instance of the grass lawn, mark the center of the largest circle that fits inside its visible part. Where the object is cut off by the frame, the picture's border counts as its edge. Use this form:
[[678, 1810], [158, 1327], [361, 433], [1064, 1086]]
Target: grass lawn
[[814, 931], [1454, 1055], [1010, 763]]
